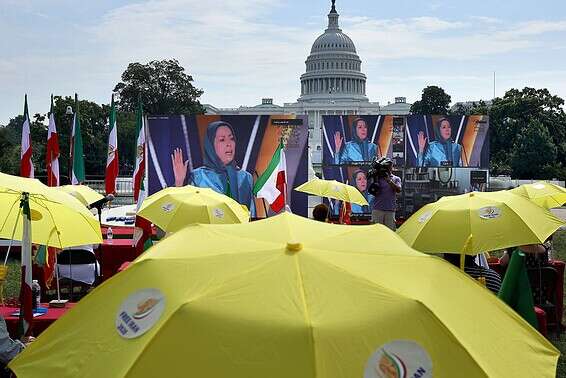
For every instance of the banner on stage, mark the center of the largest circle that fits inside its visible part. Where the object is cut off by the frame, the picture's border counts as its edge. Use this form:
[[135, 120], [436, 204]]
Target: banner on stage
[[227, 154], [447, 141]]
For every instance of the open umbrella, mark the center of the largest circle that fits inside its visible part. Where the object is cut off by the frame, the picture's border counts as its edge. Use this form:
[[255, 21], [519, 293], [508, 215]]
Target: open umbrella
[[171, 209], [333, 189], [288, 297], [543, 194], [58, 220], [83, 193], [478, 222]]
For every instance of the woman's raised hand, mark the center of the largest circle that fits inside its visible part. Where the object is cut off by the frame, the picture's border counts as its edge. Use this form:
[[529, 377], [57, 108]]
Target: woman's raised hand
[[422, 142], [338, 141], [179, 167]]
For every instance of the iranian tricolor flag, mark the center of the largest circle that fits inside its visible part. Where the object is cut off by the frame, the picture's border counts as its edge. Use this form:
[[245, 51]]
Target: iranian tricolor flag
[[26, 310], [77, 158], [26, 164], [272, 184], [52, 155], [139, 169], [112, 159]]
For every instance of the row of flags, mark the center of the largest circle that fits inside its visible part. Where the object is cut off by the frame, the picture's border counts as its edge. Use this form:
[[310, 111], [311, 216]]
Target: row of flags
[[77, 172]]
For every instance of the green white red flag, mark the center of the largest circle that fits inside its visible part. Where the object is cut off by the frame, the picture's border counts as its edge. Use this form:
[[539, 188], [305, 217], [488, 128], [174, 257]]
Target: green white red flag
[[77, 157], [26, 163], [52, 151], [272, 184], [112, 166], [139, 169], [26, 310]]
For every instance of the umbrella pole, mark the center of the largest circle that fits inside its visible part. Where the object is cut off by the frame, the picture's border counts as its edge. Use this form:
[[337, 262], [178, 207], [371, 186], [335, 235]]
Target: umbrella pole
[[462, 260], [57, 278]]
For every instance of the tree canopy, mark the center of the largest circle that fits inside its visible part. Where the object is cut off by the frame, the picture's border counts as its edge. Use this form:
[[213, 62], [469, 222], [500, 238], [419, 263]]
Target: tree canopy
[[433, 101], [164, 87]]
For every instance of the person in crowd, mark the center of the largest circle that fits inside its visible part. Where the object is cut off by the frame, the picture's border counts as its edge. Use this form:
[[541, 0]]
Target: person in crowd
[[360, 181], [320, 213], [442, 151], [360, 148], [220, 172], [536, 255], [9, 347], [492, 278], [385, 201]]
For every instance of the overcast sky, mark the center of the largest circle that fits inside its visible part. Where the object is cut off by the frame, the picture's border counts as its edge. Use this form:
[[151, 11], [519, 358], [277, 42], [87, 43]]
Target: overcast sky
[[240, 51]]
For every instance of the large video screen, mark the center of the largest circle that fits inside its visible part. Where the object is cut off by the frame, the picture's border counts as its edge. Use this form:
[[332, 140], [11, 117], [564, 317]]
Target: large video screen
[[357, 139], [227, 154], [357, 176], [447, 141]]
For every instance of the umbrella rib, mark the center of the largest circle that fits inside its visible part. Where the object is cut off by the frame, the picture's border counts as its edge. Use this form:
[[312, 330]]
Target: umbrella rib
[[9, 212], [306, 311]]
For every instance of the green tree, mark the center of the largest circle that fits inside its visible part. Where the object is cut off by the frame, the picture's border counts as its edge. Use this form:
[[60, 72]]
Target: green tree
[[10, 145], [511, 115], [164, 87], [433, 101], [534, 153]]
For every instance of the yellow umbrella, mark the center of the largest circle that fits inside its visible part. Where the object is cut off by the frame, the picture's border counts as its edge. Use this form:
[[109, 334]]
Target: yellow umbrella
[[333, 189], [543, 194], [288, 297], [83, 193], [478, 222], [174, 208], [58, 220]]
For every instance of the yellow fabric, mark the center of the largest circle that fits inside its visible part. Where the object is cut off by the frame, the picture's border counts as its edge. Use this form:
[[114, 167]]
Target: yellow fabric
[[58, 219], [83, 193], [174, 208], [289, 297], [543, 194], [333, 189], [476, 222]]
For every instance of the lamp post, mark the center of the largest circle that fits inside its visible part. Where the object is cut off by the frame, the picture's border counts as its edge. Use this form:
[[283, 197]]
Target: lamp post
[[69, 114]]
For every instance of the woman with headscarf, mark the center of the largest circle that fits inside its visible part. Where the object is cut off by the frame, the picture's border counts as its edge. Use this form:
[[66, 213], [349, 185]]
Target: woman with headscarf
[[358, 149], [360, 181], [220, 172], [442, 151]]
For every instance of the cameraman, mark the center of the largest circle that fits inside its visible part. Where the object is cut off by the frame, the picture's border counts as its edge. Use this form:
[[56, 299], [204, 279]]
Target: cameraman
[[386, 187]]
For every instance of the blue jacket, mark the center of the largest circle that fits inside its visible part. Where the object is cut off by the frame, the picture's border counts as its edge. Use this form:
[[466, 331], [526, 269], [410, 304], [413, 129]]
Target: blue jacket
[[205, 177], [435, 154], [352, 152]]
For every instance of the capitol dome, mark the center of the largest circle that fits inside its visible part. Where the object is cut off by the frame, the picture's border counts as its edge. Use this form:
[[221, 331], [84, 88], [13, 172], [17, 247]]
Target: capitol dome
[[333, 68]]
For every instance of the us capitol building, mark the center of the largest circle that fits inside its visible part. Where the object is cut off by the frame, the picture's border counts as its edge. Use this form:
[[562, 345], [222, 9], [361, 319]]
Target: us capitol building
[[333, 84]]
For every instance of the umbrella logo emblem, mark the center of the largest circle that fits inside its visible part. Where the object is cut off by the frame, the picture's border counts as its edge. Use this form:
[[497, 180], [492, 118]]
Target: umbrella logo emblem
[[139, 312], [539, 186], [426, 216], [490, 212], [168, 207], [336, 188], [218, 213], [399, 359]]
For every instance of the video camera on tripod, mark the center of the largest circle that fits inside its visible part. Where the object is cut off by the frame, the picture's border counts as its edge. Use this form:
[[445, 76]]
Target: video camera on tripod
[[380, 168]]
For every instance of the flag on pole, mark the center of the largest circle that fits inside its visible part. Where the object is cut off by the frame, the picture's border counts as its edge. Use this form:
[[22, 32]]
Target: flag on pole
[[139, 169], [45, 258], [26, 310], [345, 212], [112, 159], [52, 158], [77, 158], [272, 184], [516, 289], [26, 164]]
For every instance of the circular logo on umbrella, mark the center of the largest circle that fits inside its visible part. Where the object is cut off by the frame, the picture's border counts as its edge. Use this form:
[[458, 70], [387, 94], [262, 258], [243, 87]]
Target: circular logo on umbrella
[[425, 216], [168, 207], [399, 359], [218, 213], [336, 188], [490, 212], [539, 186], [139, 312]]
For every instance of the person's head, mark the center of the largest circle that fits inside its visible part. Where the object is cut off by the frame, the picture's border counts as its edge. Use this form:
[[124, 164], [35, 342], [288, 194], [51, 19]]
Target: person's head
[[360, 129], [444, 132], [320, 212], [454, 259], [360, 180], [220, 144]]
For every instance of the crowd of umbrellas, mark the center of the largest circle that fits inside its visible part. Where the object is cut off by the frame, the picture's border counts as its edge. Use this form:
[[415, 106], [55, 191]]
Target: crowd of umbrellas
[[287, 296]]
